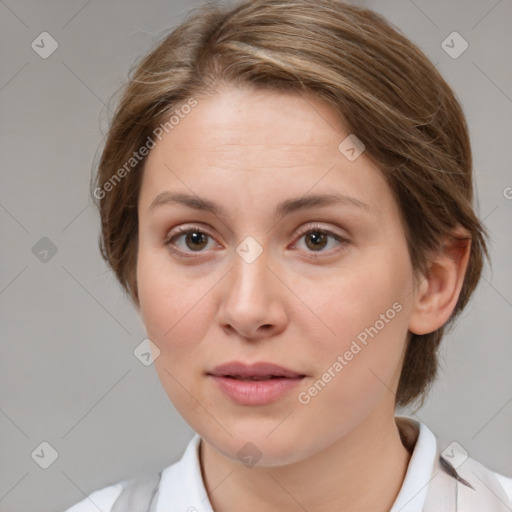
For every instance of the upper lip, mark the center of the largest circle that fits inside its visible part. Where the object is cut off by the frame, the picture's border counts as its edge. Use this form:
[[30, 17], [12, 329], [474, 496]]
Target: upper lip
[[260, 369]]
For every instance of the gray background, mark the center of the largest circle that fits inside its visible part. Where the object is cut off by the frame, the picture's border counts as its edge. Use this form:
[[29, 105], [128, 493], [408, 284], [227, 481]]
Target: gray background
[[68, 375]]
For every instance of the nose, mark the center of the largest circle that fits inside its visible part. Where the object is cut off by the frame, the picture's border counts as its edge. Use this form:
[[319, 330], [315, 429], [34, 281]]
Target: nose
[[253, 299]]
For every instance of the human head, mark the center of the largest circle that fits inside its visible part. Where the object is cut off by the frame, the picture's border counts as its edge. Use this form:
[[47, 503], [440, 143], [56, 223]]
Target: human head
[[379, 84]]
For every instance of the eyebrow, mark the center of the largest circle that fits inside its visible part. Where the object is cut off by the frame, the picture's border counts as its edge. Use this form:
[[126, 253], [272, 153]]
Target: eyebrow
[[281, 210]]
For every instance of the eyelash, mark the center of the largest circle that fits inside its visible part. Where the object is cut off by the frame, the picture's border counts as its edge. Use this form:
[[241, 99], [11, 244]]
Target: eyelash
[[196, 229]]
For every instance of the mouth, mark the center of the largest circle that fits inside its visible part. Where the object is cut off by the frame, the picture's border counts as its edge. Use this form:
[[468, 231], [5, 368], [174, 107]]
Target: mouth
[[257, 384], [257, 371], [260, 377], [256, 391]]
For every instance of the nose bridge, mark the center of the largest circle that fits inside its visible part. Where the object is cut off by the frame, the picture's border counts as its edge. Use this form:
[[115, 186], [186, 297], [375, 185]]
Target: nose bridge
[[252, 295], [250, 276]]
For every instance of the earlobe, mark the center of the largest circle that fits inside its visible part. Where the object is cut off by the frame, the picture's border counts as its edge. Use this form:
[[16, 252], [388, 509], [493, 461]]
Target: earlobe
[[437, 294]]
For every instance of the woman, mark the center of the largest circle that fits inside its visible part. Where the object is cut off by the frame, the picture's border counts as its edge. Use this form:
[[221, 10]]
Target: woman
[[286, 196]]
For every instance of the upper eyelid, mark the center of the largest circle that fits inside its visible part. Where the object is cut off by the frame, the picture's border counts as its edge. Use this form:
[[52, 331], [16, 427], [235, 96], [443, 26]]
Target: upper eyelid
[[319, 227]]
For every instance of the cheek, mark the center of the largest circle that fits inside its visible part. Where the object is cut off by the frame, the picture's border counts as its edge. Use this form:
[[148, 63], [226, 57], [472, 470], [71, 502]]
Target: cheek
[[172, 310], [367, 315], [171, 305], [365, 296]]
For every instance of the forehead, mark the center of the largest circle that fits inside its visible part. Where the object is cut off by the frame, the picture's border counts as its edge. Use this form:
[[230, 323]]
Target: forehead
[[283, 122], [263, 127], [263, 144]]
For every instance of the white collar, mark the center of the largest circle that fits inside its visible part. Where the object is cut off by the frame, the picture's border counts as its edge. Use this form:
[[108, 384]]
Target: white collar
[[182, 488], [413, 492]]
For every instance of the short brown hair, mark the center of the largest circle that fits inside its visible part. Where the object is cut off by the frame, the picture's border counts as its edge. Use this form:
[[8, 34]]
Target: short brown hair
[[383, 87]]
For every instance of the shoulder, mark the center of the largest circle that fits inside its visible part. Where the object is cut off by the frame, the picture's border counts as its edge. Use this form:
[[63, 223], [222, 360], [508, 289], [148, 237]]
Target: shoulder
[[102, 499], [506, 483], [478, 483], [443, 473], [181, 480]]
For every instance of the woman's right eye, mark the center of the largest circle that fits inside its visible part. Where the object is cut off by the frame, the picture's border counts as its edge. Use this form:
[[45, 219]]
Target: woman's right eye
[[193, 237]]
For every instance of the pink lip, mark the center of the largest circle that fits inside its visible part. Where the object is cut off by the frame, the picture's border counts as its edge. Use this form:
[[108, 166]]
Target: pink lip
[[277, 381], [245, 392]]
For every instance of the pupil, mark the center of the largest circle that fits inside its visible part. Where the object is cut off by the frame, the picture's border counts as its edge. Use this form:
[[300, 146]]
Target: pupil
[[317, 238], [197, 238]]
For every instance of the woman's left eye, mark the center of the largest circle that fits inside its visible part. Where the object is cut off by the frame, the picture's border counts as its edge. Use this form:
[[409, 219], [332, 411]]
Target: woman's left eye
[[317, 238], [195, 239]]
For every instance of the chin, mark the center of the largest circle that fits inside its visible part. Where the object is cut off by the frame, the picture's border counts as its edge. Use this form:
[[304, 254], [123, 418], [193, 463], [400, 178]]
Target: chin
[[253, 446]]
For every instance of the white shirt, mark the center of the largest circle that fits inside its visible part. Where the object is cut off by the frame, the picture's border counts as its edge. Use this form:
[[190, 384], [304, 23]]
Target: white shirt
[[182, 488]]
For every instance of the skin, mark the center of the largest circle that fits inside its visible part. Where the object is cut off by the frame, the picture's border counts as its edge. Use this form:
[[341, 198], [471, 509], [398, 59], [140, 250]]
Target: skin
[[248, 150]]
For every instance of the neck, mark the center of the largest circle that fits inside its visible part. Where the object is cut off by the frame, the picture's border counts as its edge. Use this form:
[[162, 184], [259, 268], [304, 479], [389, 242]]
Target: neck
[[337, 478]]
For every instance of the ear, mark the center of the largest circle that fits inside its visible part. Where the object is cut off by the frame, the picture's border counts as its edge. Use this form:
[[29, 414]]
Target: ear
[[437, 294]]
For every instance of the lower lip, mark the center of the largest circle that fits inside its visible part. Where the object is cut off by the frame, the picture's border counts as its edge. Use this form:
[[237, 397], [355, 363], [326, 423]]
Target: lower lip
[[256, 392]]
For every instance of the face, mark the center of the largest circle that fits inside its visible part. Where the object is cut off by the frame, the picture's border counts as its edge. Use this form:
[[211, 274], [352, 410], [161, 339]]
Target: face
[[323, 289]]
